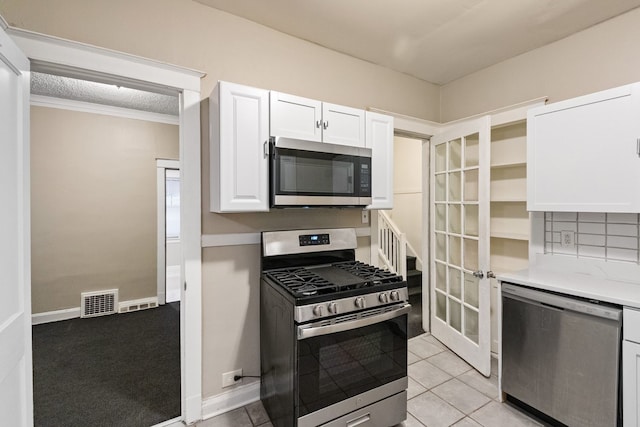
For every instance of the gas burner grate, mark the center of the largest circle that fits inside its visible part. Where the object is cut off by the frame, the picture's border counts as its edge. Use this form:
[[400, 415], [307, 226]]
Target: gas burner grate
[[299, 281], [368, 273], [308, 281]]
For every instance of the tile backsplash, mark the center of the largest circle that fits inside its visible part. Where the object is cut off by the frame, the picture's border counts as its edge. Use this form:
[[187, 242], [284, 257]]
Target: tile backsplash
[[603, 236]]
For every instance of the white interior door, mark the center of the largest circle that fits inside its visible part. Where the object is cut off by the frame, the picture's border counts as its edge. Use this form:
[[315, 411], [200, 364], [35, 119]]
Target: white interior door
[[459, 287], [16, 390]]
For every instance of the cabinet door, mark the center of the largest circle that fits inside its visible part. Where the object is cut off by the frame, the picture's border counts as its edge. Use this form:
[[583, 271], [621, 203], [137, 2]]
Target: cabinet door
[[239, 159], [630, 383], [582, 154], [342, 125], [296, 117], [379, 138]]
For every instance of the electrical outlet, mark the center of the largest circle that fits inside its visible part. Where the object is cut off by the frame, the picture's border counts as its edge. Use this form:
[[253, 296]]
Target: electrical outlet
[[365, 216], [228, 378], [567, 239]]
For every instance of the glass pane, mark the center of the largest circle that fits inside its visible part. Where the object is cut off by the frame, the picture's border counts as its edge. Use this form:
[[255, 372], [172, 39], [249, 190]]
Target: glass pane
[[455, 315], [471, 185], [441, 247], [455, 285], [471, 150], [441, 217], [441, 188], [471, 289], [471, 220], [470, 254], [470, 324], [454, 187], [441, 306], [172, 206], [441, 157], [455, 219], [441, 277], [455, 251], [455, 153]]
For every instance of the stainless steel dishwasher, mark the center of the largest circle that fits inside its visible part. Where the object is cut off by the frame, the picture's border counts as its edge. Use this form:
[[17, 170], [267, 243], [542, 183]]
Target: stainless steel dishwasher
[[561, 356]]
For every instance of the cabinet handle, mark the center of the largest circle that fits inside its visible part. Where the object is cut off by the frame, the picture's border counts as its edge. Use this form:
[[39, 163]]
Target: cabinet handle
[[638, 146], [265, 150], [325, 125], [318, 124]]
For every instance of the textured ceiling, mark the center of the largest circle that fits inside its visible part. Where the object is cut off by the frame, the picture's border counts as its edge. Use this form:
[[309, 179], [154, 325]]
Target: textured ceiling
[[100, 93], [435, 40]]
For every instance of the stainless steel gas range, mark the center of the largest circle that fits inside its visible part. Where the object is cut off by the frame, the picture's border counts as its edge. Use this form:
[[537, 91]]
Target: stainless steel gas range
[[333, 333]]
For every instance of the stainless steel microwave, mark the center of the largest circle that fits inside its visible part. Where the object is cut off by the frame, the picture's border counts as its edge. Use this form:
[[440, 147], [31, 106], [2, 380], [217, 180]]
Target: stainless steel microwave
[[317, 174]]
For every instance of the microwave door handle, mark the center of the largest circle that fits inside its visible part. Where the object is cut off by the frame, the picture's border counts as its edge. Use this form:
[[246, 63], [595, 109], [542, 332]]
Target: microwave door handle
[[310, 331]]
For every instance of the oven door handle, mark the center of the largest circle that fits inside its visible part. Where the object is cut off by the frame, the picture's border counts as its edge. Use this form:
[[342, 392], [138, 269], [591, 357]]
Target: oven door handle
[[309, 331]]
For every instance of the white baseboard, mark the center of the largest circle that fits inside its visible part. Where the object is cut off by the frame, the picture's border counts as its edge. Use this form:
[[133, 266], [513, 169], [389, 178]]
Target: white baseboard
[[72, 313], [233, 399], [55, 316]]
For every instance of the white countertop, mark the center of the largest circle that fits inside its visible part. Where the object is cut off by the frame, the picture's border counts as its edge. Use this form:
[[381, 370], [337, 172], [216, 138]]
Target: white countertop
[[622, 292]]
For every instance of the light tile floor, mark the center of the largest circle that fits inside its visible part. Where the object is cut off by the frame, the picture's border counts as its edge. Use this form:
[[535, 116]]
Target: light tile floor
[[443, 391]]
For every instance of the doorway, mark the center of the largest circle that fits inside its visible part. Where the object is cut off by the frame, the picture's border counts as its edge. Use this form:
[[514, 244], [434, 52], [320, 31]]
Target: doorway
[[407, 216], [93, 231], [85, 60]]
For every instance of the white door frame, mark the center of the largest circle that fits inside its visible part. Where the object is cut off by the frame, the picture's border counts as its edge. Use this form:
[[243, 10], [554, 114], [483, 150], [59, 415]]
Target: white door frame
[[16, 374], [147, 74], [161, 166]]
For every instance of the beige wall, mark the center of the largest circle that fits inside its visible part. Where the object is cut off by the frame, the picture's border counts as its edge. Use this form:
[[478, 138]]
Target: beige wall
[[93, 205], [407, 189], [601, 57], [190, 34], [187, 33]]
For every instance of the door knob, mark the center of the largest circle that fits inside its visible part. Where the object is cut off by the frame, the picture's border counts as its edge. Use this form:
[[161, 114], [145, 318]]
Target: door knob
[[479, 274]]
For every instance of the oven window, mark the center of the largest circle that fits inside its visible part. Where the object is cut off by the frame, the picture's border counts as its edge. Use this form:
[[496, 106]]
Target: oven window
[[336, 366], [310, 175]]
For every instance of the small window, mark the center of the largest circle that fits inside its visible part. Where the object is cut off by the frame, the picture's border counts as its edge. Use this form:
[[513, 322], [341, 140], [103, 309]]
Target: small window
[[172, 203]]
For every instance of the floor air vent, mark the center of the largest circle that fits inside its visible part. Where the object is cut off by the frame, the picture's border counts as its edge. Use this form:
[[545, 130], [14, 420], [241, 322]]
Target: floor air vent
[[98, 303]]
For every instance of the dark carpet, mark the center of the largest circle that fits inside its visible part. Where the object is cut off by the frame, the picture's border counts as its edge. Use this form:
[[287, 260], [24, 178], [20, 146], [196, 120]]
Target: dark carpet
[[415, 316], [117, 370]]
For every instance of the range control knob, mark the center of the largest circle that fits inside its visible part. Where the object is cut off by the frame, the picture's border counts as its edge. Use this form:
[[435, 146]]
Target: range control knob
[[332, 307], [383, 298], [359, 302], [395, 295], [318, 310]]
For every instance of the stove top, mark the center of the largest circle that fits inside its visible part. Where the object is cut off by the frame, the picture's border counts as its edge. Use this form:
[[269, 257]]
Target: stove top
[[333, 279]]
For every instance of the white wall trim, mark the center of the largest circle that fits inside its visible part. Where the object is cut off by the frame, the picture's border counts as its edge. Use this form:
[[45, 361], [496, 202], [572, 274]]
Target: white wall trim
[[412, 126], [505, 115], [240, 239], [60, 53], [230, 239], [86, 61], [107, 110], [55, 316], [233, 399], [72, 313]]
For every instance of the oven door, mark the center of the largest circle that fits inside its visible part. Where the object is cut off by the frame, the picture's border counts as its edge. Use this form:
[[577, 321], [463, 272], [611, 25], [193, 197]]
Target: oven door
[[355, 361], [307, 173]]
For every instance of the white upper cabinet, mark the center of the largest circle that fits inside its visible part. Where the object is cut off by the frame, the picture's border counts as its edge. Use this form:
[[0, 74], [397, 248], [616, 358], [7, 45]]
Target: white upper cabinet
[[303, 118], [343, 125], [583, 154], [379, 131], [296, 117], [239, 134]]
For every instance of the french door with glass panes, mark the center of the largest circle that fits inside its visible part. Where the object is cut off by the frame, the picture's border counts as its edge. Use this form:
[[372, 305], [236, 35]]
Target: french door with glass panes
[[459, 287]]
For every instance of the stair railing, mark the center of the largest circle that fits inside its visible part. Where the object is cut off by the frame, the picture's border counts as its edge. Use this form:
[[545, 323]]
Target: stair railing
[[392, 246]]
